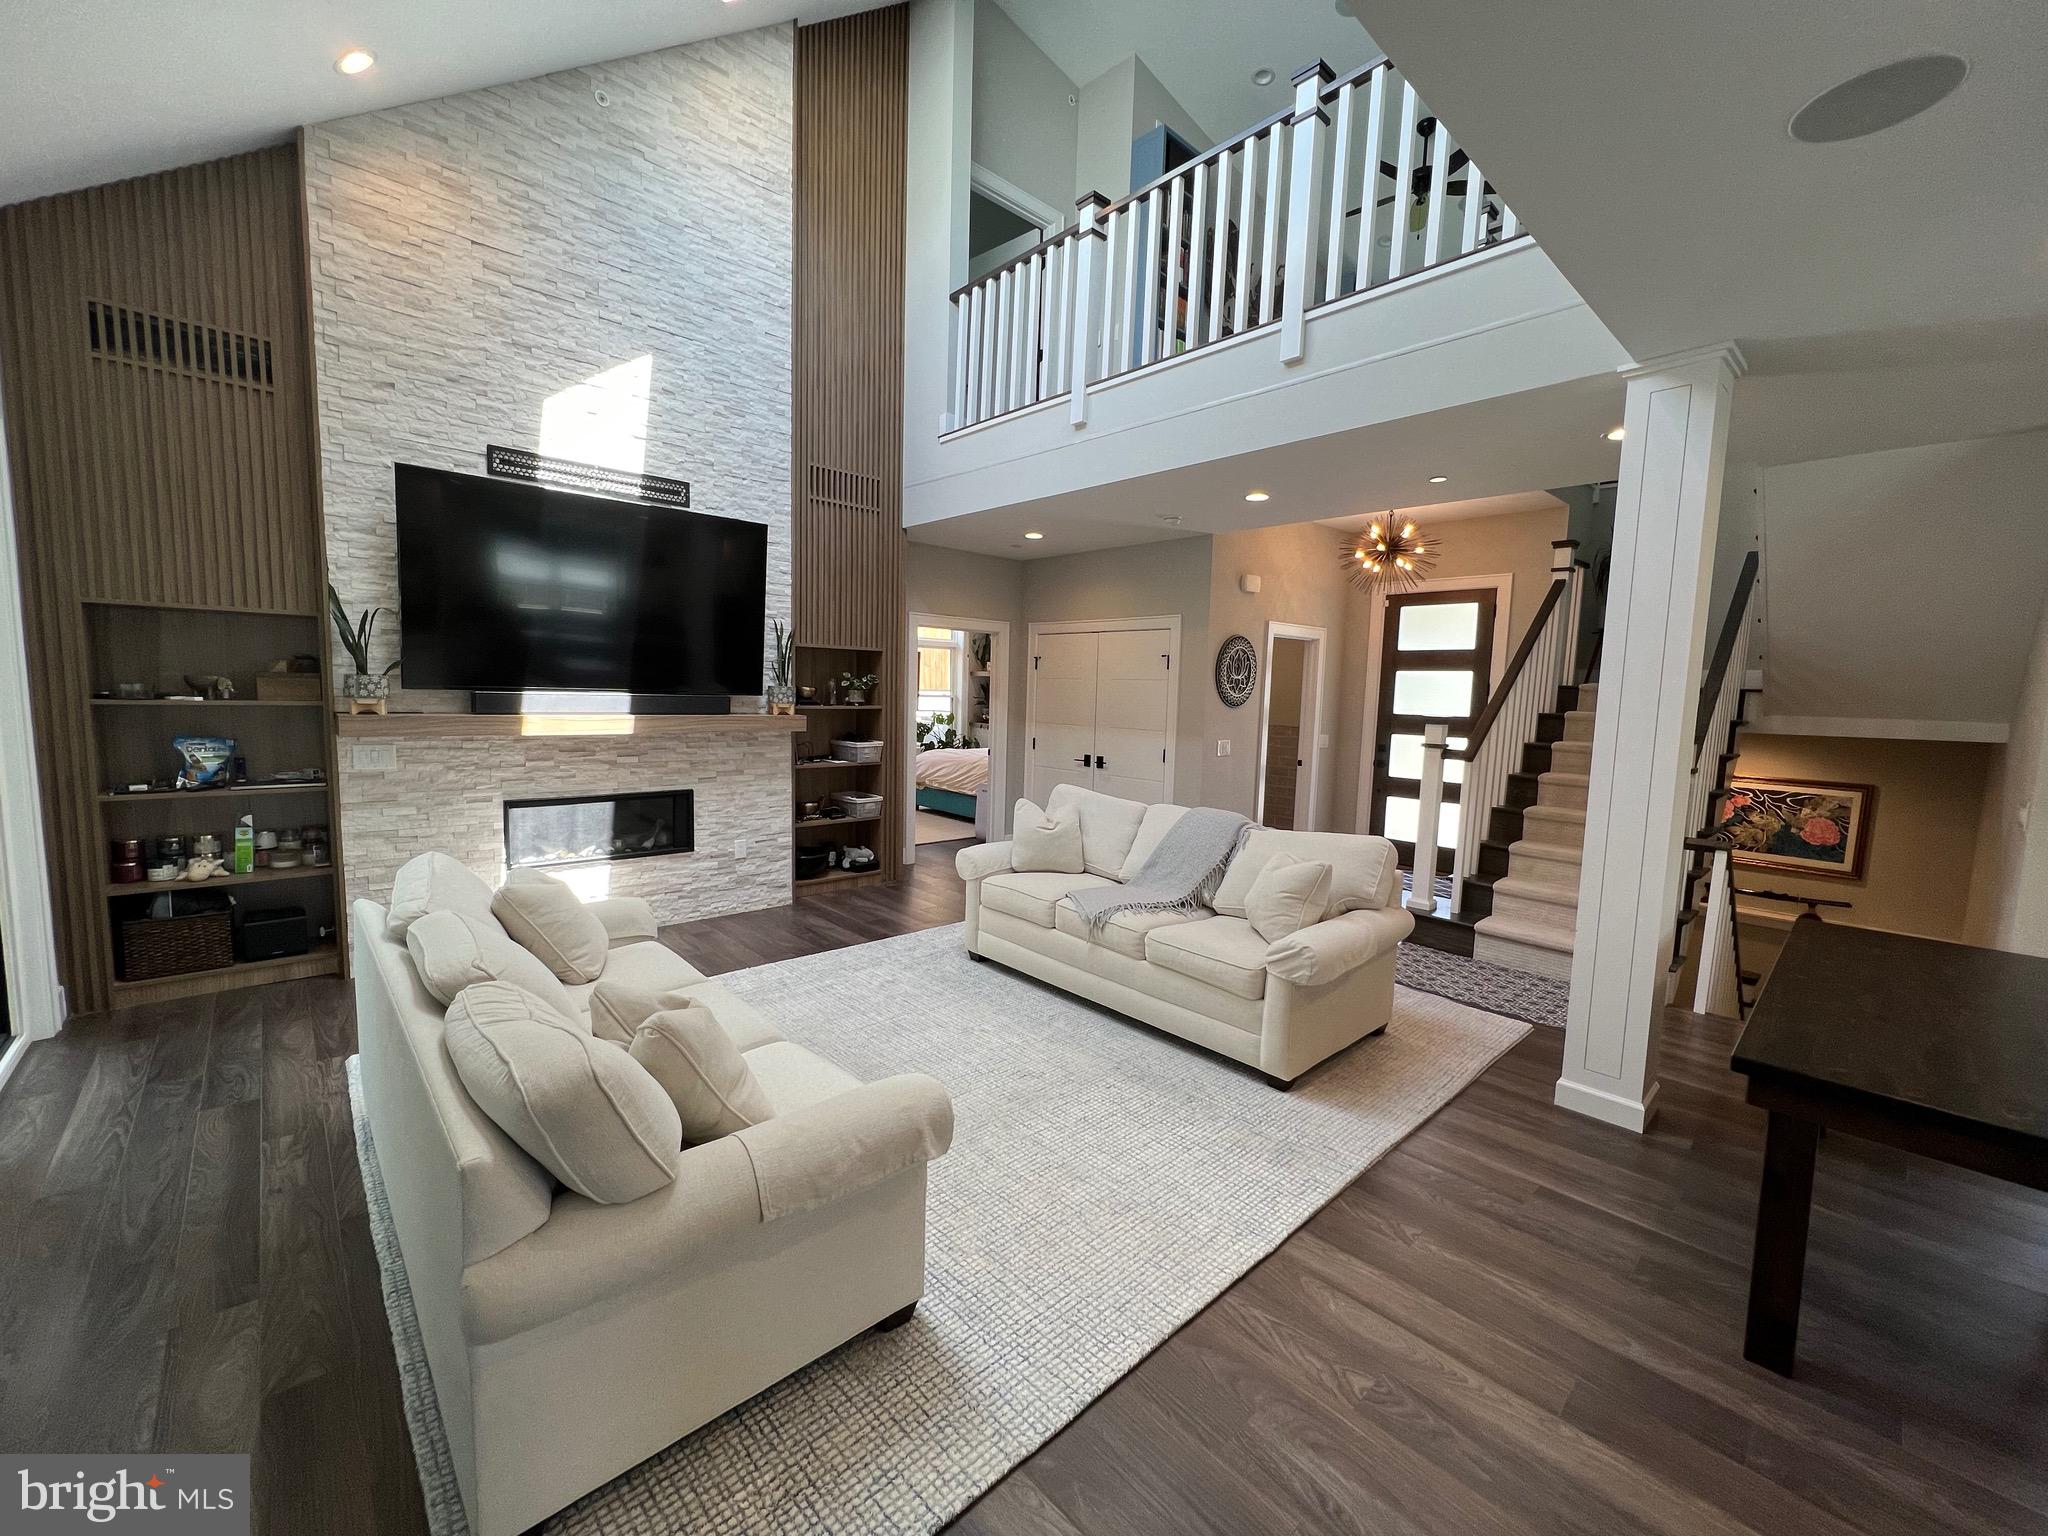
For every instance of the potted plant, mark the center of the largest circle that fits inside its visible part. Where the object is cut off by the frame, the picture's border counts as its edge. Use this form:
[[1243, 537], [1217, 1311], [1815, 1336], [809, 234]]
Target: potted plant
[[782, 686], [366, 690], [941, 731], [855, 688]]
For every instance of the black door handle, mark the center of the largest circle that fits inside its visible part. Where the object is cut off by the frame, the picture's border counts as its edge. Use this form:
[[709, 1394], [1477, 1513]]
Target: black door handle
[[1099, 762], [1082, 759]]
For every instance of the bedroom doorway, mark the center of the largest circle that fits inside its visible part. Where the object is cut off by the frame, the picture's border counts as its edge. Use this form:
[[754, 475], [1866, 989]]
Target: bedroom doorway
[[958, 702]]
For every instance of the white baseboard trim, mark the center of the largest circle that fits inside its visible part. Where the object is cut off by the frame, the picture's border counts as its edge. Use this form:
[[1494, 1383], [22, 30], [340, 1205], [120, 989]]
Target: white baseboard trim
[[10, 1057], [1612, 1108]]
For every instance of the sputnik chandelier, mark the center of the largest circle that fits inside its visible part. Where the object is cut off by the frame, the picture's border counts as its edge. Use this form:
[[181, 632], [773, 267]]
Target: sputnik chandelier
[[1390, 554]]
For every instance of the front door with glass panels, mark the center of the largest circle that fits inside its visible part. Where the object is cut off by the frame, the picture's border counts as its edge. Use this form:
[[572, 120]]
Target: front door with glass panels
[[1436, 666]]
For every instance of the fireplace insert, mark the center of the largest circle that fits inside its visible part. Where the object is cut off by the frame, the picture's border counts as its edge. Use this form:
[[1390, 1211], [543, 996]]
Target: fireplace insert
[[589, 829]]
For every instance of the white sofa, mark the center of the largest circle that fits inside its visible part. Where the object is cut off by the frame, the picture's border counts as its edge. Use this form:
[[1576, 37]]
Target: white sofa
[[569, 1340], [1280, 1007]]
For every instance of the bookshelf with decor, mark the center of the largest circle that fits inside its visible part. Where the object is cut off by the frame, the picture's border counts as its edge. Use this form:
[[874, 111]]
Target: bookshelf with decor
[[836, 710]]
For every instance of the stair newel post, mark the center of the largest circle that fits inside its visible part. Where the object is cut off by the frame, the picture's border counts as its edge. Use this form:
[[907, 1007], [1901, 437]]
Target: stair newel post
[[1311, 125], [1422, 888], [1091, 247], [1715, 989], [1564, 566]]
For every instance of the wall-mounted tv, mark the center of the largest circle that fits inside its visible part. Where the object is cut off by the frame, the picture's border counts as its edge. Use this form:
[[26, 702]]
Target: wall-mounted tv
[[508, 585]]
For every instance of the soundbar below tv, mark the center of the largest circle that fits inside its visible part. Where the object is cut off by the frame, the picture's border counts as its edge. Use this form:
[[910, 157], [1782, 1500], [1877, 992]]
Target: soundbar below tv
[[519, 592]]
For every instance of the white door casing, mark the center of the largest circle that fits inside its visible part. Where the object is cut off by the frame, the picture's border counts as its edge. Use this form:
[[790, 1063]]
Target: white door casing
[[1103, 689], [1311, 720], [998, 631]]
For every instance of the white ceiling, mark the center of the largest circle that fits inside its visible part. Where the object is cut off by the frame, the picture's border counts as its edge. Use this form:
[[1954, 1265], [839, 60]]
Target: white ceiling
[[1493, 451], [1646, 148], [125, 87], [1907, 584], [1203, 51], [1433, 512]]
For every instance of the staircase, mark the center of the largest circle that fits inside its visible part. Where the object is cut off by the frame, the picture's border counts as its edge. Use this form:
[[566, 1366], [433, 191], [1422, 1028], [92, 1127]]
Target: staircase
[[1524, 889]]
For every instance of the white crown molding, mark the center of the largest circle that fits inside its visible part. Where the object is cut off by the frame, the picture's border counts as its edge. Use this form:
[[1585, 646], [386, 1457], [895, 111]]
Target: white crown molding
[[1990, 731]]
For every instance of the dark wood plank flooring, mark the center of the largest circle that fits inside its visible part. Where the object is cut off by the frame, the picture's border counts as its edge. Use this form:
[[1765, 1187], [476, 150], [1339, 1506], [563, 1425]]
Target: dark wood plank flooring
[[1518, 1321]]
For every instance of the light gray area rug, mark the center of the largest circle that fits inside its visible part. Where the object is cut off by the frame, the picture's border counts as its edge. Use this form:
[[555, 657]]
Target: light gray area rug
[[1106, 1183]]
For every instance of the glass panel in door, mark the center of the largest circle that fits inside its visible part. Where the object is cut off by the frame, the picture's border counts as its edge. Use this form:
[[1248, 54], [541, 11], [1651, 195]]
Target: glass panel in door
[[1436, 666]]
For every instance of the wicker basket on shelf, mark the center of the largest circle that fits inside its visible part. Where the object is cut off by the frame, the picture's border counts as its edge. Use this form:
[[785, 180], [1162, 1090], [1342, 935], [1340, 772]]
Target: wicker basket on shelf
[[176, 946]]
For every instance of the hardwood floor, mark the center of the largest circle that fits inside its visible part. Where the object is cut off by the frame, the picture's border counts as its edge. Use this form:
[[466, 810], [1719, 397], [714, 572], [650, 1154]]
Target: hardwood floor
[[1518, 1321]]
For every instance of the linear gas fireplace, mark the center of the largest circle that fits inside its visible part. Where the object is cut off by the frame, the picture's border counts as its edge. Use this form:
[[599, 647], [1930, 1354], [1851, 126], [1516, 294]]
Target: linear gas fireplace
[[587, 829]]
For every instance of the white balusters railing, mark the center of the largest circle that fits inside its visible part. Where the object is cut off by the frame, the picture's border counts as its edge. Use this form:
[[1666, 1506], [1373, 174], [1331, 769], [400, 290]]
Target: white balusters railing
[[1296, 212], [1716, 982], [1545, 660]]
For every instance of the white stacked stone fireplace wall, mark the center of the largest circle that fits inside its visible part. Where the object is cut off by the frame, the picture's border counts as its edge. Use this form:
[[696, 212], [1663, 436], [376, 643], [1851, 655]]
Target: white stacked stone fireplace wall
[[600, 279]]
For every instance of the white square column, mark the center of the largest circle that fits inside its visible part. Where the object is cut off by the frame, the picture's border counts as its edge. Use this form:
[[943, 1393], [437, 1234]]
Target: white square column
[[1667, 510]]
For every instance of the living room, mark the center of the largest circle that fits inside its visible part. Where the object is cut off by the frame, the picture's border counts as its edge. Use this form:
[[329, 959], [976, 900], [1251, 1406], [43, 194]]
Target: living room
[[489, 1044]]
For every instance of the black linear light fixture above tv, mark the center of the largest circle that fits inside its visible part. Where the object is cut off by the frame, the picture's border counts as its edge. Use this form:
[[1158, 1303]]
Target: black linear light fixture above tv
[[511, 588]]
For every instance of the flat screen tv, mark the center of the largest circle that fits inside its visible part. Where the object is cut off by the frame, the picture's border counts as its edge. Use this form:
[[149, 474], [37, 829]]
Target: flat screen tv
[[506, 585]]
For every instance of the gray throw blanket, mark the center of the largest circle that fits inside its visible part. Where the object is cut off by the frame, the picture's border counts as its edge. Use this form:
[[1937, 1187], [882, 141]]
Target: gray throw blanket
[[1182, 874]]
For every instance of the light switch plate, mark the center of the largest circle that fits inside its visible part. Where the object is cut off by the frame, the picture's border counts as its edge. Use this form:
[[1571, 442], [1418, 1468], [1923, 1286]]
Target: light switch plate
[[373, 756], [1223, 747]]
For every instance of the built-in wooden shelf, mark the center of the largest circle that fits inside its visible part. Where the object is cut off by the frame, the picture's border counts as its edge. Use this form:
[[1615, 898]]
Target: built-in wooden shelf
[[835, 763], [254, 877], [838, 877], [813, 704], [426, 727], [224, 790], [320, 960], [210, 703]]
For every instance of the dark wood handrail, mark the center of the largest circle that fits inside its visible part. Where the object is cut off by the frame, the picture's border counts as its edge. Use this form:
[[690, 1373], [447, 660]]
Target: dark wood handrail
[[1724, 652], [1476, 738], [1257, 129]]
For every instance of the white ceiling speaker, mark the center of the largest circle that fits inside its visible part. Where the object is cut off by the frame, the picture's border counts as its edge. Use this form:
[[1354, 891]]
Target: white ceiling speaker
[[1878, 99]]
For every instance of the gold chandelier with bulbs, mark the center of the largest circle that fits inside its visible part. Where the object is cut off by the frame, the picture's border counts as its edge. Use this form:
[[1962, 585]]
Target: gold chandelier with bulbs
[[1390, 554]]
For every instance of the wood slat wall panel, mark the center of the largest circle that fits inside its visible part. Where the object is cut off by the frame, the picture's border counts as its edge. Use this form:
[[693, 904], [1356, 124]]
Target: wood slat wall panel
[[847, 533], [144, 484]]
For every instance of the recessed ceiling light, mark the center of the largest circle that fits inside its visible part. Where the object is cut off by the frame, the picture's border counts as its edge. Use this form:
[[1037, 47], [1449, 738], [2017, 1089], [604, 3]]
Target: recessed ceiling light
[[1438, 479], [1615, 434], [355, 61], [1256, 496], [1878, 99], [1034, 535], [1262, 77]]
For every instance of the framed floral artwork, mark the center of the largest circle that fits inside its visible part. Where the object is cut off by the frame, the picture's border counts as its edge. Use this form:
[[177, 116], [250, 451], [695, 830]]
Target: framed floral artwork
[[1802, 826]]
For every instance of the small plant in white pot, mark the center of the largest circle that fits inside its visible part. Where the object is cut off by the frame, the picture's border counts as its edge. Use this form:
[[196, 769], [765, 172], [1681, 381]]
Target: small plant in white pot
[[366, 690], [782, 684], [856, 687]]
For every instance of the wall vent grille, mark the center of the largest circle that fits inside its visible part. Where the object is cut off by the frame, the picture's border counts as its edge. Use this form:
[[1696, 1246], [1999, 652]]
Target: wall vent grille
[[540, 468], [120, 334], [845, 488]]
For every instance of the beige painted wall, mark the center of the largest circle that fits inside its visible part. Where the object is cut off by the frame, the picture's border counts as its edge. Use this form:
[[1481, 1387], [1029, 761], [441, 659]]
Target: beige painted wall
[[1299, 583], [2009, 887], [1517, 544], [1923, 838]]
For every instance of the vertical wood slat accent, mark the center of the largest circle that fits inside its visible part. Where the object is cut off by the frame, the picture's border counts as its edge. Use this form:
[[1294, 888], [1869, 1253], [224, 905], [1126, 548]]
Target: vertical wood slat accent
[[143, 484], [847, 412]]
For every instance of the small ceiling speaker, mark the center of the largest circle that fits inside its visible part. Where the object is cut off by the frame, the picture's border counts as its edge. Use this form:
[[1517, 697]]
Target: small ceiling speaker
[[1878, 98]]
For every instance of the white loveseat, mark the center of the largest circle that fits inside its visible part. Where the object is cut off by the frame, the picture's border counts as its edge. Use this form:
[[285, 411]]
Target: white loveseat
[[1280, 1007], [569, 1340]]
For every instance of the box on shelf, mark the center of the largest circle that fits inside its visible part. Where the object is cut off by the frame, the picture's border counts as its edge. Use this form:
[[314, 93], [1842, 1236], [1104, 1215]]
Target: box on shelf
[[858, 804], [288, 687], [848, 750]]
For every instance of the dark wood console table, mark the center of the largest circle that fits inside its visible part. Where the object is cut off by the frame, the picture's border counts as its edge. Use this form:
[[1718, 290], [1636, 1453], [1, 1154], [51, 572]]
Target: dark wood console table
[[1939, 1049]]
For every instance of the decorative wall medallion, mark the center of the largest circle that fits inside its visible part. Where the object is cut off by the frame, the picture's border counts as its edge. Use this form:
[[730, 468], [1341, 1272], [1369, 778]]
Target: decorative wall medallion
[[1237, 670]]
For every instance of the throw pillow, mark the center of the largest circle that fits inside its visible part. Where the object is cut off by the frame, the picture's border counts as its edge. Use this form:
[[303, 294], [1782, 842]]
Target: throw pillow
[[545, 918], [1289, 894], [581, 1107], [433, 882], [1044, 843], [451, 950], [713, 1089]]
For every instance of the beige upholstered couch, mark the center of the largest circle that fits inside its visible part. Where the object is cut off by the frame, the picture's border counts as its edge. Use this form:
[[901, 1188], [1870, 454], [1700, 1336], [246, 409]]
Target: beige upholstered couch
[[570, 1340], [1280, 1007]]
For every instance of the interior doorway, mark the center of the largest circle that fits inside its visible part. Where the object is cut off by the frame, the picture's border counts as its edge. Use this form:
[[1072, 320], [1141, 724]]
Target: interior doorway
[[958, 728], [1290, 727], [1102, 707], [1436, 666]]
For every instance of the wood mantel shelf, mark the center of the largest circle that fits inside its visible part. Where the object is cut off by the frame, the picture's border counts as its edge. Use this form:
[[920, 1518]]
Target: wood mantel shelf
[[469, 727]]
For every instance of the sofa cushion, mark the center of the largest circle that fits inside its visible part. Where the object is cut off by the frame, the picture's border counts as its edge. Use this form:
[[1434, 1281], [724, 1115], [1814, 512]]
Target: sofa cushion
[[1033, 895], [1289, 894], [1124, 932], [648, 969], [546, 918], [1044, 842], [452, 950], [433, 882], [794, 1078], [1108, 826], [1223, 951], [1365, 872], [689, 1053], [587, 1111], [1158, 818], [747, 1025]]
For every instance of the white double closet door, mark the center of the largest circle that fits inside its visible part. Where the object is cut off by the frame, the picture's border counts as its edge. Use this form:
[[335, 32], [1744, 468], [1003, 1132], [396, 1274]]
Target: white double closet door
[[1101, 712]]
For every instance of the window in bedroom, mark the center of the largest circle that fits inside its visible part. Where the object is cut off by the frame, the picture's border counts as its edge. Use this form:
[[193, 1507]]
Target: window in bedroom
[[939, 672]]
